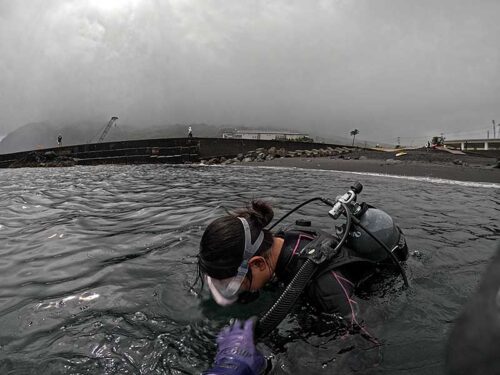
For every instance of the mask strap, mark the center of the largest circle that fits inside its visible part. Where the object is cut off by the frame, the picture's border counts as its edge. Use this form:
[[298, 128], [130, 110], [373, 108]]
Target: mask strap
[[249, 252]]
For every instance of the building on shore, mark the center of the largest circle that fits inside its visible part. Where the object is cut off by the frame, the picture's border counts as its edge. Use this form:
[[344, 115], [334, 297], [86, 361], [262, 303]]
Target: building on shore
[[474, 144], [270, 135]]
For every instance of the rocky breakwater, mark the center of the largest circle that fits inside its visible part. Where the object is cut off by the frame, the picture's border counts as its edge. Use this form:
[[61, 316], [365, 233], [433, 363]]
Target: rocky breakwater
[[262, 154], [43, 159]]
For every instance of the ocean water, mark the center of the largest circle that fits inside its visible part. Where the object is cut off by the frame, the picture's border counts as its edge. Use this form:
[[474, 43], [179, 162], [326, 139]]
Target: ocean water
[[96, 265]]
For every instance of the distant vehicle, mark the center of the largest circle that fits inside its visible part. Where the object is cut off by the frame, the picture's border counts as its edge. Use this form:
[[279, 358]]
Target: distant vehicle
[[299, 139], [437, 142]]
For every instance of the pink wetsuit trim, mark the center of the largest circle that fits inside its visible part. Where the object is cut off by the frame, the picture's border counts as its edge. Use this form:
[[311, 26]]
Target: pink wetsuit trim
[[351, 302], [301, 236]]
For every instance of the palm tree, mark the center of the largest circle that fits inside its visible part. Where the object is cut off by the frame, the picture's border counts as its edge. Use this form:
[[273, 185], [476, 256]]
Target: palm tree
[[353, 133]]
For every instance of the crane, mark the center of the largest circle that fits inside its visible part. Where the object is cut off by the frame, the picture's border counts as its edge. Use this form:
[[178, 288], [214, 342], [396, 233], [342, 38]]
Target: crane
[[107, 128]]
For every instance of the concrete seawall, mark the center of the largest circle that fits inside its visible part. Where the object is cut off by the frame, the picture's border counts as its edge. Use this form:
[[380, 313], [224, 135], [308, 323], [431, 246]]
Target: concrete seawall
[[166, 150]]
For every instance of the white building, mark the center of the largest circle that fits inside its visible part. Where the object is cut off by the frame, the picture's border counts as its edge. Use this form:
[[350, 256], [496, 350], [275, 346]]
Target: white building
[[265, 135]]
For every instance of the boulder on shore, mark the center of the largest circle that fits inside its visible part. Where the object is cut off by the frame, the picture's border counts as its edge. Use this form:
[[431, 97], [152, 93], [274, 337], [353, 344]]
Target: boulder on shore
[[47, 159], [262, 154]]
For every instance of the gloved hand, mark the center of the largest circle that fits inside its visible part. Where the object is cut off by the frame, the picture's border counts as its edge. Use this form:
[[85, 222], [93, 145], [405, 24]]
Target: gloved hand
[[236, 352]]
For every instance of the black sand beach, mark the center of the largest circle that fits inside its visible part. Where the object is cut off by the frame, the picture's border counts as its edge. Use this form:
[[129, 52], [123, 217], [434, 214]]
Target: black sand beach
[[419, 163]]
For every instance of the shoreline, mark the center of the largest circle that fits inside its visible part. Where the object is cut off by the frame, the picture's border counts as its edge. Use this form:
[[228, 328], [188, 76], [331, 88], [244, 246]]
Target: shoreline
[[480, 172]]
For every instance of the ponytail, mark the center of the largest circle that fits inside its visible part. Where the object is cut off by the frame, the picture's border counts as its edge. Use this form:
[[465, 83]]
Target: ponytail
[[259, 213]]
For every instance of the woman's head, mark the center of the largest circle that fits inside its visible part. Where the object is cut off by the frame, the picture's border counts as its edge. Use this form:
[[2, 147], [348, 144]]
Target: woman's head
[[234, 250]]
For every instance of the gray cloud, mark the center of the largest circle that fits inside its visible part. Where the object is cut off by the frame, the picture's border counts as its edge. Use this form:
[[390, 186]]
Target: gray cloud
[[387, 67]]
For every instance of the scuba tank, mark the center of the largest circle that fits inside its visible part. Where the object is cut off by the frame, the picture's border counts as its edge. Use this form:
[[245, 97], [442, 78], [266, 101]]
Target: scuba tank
[[382, 226]]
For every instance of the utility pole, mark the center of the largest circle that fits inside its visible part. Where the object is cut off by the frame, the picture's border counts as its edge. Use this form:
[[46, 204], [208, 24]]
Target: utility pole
[[494, 131], [487, 134]]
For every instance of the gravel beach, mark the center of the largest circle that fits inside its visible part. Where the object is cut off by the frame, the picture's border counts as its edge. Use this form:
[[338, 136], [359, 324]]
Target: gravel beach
[[420, 163]]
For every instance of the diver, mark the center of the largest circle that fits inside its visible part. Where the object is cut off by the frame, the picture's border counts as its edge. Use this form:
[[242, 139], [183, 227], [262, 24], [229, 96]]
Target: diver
[[238, 256], [471, 345], [472, 342]]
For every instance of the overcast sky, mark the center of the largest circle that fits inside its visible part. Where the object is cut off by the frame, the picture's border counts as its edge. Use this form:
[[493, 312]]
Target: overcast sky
[[390, 68]]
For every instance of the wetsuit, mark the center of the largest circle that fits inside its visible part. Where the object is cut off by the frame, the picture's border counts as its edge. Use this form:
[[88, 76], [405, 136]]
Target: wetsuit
[[332, 287]]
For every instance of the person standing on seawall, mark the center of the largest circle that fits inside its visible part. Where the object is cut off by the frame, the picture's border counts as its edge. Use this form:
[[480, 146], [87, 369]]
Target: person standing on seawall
[[59, 140], [190, 132]]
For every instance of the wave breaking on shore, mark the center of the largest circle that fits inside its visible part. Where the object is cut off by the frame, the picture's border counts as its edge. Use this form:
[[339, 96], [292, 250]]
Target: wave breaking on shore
[[411, 178]]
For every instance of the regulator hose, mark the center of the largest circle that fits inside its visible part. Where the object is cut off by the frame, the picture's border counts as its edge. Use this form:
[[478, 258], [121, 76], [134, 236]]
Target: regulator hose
[[386, 248], [324, 200]]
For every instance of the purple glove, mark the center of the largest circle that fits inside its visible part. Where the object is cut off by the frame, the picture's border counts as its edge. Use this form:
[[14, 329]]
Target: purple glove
[[236, 352]]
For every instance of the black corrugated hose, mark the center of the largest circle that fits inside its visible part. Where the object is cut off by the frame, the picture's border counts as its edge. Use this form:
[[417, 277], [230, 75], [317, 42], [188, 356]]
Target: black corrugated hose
[[284, 303]]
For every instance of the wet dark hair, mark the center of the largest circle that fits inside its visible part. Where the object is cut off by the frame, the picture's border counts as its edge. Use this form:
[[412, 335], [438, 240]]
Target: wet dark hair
[[223, 242]]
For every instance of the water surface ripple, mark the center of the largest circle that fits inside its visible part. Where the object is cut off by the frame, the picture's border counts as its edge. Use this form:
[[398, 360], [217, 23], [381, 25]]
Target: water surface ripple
[[96, 263]]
